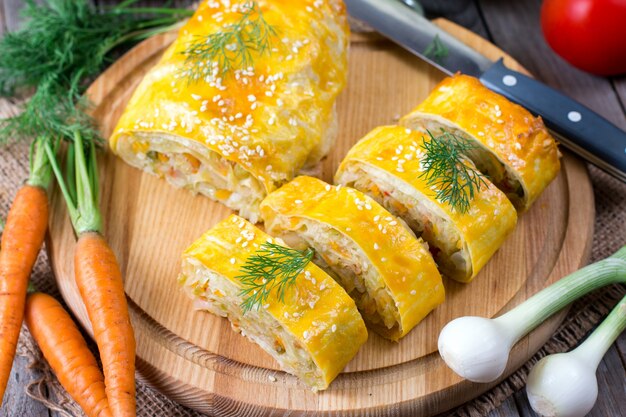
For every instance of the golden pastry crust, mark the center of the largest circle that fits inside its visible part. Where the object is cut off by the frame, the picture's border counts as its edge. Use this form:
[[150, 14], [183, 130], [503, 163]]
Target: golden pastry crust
[[351, 227], [523, 158], [239, 135], [386, 164], [316, 321]]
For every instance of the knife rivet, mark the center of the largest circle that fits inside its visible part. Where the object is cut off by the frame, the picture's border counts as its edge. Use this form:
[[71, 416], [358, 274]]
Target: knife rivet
[[574, 116], [509, 80]]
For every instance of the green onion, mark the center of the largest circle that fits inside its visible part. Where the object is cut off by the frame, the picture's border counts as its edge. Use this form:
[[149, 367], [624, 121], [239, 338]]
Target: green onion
[[478, 348], [565, 384]]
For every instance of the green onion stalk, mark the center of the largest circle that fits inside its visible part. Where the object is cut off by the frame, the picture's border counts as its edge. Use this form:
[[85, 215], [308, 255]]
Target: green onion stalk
[[477, 348], [565, 384]]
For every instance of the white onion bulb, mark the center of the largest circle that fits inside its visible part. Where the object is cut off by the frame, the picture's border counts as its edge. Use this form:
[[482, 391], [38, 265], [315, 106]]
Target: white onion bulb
[[565, 384], [562, 385], [475, 348]]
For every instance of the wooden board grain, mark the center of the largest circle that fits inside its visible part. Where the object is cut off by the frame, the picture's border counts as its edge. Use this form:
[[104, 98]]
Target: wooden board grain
[[198, 360]]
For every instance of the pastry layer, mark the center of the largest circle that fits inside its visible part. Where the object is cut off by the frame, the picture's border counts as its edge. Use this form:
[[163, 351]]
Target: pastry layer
[[373, 255], [514, 148], [386, 165], [239, 134], [313, 332]]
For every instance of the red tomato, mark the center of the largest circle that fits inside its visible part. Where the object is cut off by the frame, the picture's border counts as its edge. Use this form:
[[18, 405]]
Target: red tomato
[[589, 34]]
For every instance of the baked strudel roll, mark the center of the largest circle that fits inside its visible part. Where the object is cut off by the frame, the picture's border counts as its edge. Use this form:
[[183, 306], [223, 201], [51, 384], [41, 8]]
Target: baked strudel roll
[[312, 330], [514, 148], [202, 121], [387, 164], [373, 255]]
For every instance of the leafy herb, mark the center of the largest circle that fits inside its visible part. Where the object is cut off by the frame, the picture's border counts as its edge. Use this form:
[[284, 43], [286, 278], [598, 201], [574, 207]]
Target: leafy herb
[[449, 171], [62, 44], [436, 51], [233, 47], [272, 267], [50, 112]]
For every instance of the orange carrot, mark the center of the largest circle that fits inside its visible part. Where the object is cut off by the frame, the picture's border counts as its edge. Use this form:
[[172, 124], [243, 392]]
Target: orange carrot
[[22, 238], [98, 276], [66, 351], [101, 287]]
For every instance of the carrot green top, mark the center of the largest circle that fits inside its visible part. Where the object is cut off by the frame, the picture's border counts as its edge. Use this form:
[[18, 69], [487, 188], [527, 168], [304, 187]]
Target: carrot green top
[[40, 173], [80, 188]]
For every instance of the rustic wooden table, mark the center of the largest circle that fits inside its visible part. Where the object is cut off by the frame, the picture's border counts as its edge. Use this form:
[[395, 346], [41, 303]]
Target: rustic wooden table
[[514, 27]]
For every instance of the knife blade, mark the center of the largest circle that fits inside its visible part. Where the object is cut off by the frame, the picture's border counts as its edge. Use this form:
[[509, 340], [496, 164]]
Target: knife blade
[[576, 126]]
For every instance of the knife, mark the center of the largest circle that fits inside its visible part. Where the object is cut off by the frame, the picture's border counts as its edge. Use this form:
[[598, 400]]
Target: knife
[[576, 126]]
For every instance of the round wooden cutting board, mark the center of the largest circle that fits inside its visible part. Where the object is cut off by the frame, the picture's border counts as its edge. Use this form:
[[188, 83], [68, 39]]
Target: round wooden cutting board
[[196, 359]]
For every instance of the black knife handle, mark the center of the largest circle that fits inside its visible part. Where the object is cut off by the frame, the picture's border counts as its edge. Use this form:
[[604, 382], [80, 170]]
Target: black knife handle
[[576, 126]]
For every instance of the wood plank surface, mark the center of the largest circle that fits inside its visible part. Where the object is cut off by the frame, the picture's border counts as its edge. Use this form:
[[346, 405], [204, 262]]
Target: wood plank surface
[[3, 23], [619, 84], [526, 44], [16, 402]]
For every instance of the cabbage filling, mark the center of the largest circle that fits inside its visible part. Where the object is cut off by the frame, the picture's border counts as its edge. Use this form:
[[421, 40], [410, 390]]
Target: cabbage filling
[[184, 165], [425, 218], [500, 174], [218, 295], [344, 260]]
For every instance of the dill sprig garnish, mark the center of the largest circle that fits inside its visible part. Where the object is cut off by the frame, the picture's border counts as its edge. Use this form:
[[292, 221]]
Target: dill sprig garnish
[[272, 268], [436, 50], [449, 171], [233, 47], [50, 112], [60, 47]]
